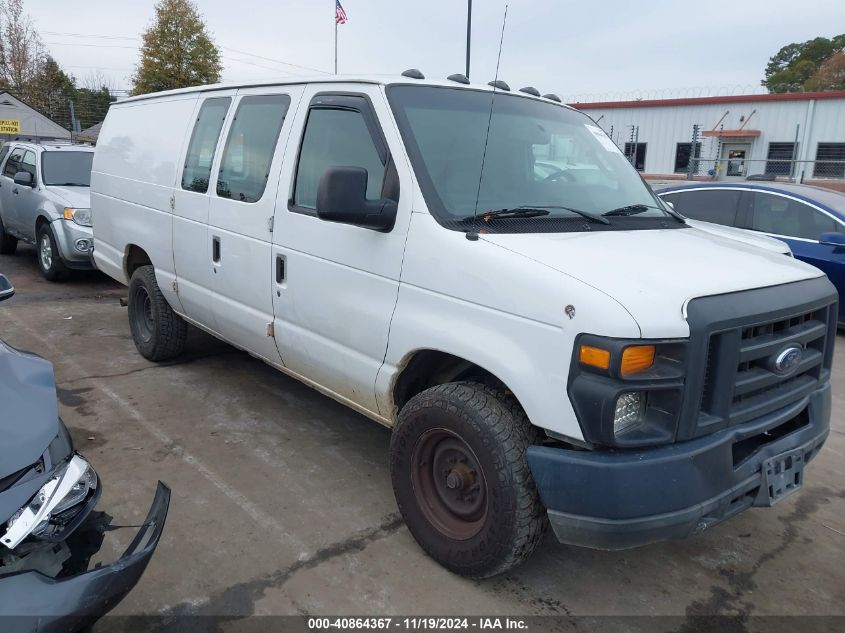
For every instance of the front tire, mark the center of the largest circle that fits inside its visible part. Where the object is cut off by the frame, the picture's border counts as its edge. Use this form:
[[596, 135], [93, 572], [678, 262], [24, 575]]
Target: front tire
[[461, 478], [159, 333], [49, 260], [8, 244]]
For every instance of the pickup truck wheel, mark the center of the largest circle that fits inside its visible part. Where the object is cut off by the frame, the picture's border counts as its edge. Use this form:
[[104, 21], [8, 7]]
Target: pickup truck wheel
[[8, 244], [159, 333], [49, 260], [461, 478]]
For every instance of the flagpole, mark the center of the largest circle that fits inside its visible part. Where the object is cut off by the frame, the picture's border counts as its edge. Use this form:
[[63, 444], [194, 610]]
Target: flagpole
[[335, 40]]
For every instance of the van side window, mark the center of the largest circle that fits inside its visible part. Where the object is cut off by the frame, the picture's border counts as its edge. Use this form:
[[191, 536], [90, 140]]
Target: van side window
[[203, 143], [13, 165], [245, 166], [28, 164], [335, 138]]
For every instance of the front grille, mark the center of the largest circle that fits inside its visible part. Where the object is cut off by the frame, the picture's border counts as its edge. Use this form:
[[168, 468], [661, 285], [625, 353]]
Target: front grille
[[738, 382]]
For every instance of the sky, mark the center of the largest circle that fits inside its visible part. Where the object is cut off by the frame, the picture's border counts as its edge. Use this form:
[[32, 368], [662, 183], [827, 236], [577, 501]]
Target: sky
[[584, 51]]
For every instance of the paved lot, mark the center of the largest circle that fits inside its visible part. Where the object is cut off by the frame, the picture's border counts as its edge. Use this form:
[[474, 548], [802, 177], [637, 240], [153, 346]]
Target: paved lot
[[282, 501]]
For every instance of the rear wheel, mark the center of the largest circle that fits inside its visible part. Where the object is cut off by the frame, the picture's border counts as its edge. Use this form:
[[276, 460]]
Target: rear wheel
[[461, 478], [159, 333], [8, 244], [49, 260]]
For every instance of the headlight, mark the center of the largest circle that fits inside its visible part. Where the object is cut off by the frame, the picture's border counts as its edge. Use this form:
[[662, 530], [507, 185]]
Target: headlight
[[627, 392], [82, 217], [68, 488]]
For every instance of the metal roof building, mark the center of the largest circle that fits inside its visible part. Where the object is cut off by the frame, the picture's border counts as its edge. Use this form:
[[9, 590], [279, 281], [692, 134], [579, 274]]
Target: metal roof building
[[796, 136], [21, 122]]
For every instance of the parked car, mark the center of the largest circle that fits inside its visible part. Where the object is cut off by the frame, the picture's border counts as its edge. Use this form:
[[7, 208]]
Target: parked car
[[49, 529], [811, 220], [546, 350], [44, 200]]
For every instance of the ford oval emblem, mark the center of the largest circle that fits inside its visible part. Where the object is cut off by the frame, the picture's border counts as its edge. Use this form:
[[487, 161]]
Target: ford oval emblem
[[787, 359]]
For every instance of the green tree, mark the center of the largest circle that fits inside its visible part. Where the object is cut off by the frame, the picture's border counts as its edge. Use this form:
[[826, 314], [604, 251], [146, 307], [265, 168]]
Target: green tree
[[21, 49], [793, 66], [177, 51], [50, 91]]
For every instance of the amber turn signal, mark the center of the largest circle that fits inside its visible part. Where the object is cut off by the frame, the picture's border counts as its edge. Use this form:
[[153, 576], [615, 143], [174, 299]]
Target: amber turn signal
[[636, 358], [594, 356]]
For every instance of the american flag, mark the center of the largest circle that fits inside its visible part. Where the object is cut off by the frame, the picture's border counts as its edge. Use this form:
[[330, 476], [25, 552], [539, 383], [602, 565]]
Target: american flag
[[339, 13]]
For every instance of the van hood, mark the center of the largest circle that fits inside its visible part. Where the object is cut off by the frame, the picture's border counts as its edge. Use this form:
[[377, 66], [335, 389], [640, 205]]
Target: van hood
[[743, 235], [29, 416], [654, 273], [75, 197]]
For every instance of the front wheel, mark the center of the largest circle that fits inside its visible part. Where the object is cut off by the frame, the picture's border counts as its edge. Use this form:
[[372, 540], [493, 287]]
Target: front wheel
[[159, 333], [461, 478], [49, 260]]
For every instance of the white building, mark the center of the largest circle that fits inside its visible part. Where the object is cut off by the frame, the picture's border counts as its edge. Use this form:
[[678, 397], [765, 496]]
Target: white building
[[788, 136], [21, 122]]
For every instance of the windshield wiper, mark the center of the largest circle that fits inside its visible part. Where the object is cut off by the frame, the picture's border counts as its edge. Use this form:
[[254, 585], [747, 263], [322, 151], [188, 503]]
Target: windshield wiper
[[67, 184], [530, 211], [634, 209]]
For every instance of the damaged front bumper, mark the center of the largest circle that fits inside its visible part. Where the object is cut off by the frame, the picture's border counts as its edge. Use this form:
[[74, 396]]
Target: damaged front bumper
[[31, 601]]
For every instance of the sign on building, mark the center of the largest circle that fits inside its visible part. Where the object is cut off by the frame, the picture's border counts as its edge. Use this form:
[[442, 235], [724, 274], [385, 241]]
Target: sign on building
[[10, 126]]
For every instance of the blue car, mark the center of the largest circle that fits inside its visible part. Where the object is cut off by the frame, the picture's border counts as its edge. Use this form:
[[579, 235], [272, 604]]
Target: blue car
[[810, 219]]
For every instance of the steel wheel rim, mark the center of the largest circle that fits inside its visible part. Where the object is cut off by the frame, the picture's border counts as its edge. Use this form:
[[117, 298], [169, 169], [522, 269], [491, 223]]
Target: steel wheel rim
[[143, 314], [46, 252], [449, 484]]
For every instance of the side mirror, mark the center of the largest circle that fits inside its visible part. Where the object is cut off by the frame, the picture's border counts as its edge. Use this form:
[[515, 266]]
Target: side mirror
[[25, 179], [832, 239], [342, 197], [6, 288]]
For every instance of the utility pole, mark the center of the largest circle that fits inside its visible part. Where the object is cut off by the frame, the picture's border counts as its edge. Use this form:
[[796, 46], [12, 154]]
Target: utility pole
[[469, 32]]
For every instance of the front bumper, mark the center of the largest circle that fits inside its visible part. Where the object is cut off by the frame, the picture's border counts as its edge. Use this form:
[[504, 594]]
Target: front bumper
[[68, 237], [622, 499], [30, 601]]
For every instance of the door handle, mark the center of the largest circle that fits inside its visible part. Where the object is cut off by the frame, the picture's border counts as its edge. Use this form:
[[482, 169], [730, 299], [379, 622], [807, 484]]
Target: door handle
[[215, 250], [280, 269]]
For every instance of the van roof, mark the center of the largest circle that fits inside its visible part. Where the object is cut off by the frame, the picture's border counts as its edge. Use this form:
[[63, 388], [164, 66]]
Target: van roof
[[329, 79]]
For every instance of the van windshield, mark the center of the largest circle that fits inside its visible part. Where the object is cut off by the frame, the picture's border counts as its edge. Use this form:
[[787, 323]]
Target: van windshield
[[68, 169], [540, 161]]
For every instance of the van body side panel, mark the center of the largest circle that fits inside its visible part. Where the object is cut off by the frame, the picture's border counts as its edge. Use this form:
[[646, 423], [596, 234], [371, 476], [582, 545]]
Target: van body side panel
[[134, 169], [334, 305], [499, 310], [242, 299], [191, 248]]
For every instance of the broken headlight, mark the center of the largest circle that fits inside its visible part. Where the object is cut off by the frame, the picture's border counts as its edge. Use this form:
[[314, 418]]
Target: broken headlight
[[54, 506]]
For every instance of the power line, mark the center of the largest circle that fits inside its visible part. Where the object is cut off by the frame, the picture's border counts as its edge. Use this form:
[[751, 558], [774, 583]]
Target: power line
[[137, 39]]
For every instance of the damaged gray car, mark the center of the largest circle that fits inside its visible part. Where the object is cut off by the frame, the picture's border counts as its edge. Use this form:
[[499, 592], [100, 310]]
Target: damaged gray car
[[49, 529]]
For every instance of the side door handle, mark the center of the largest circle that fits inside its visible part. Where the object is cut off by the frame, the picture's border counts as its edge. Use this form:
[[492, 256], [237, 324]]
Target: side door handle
[[215, 250], [280, 269]]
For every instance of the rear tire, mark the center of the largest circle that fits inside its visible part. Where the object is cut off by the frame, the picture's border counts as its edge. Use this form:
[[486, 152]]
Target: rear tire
[[461, 478], [158, 332], [8, 244], [49, 259]]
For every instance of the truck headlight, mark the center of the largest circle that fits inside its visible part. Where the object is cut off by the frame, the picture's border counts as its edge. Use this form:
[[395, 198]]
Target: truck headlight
[[67, 488], [82, 217], [630, 408], [627, 392]]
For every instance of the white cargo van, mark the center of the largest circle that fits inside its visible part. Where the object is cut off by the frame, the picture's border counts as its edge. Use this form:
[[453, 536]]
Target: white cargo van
[[549, 346]]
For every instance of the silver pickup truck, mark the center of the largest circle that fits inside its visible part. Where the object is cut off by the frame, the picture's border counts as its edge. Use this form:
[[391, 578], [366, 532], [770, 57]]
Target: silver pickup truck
[[44, 201]]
